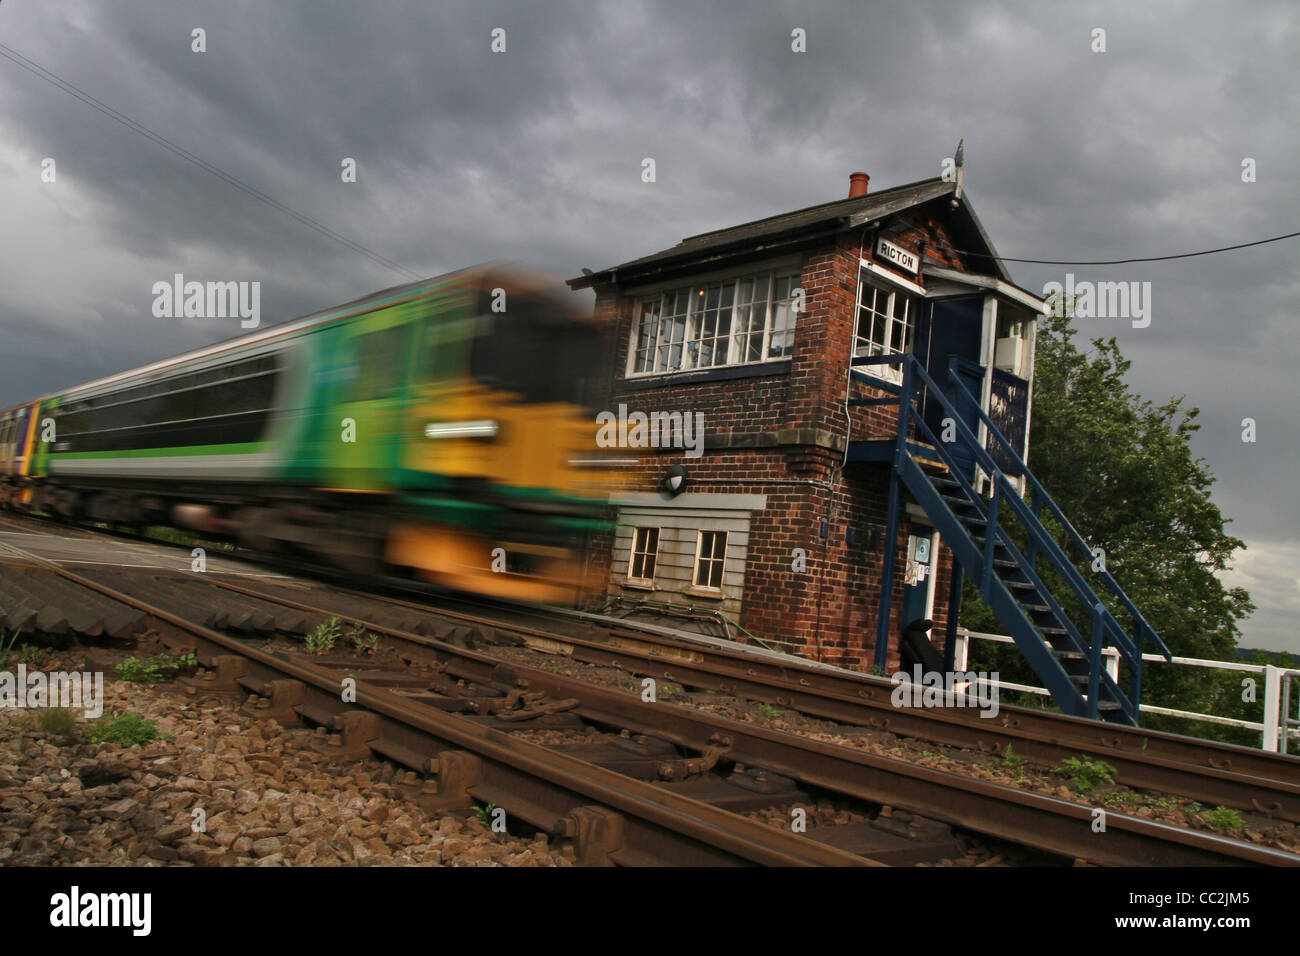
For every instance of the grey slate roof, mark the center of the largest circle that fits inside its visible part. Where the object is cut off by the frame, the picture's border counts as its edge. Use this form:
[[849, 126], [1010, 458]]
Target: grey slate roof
[[839, 214]]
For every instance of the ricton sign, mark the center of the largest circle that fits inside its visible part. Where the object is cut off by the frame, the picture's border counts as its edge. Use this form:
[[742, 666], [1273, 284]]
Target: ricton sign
[[896, 255]]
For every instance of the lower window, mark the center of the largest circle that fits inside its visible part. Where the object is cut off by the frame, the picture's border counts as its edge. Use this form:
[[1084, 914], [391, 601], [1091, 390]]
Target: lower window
[[645, 550], [710, 559]]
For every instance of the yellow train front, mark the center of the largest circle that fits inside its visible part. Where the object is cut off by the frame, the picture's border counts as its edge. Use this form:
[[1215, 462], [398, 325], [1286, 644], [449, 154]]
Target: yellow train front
[[504, 429], [437, 427]]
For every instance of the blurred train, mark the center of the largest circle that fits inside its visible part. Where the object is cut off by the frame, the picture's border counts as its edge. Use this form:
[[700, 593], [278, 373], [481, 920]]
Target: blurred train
[[438, 428]]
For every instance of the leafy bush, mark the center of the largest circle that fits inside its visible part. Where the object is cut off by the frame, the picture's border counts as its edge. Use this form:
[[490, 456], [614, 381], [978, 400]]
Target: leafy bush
[[363, 642], [484, 813], [323, 639], [1224, 818], [126, 730], [1086, 774], [149, 670]]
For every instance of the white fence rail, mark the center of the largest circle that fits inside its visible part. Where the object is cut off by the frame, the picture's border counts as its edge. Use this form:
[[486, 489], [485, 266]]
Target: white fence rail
[[1277, 728]]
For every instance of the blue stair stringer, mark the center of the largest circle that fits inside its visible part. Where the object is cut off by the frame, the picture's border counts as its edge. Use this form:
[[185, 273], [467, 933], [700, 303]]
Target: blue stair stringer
[[1068, 662]]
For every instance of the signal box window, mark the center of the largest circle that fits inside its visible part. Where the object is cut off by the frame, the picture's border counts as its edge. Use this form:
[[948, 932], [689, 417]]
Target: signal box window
[[738, 321], [884, 327], [710, 559], [645, 551]]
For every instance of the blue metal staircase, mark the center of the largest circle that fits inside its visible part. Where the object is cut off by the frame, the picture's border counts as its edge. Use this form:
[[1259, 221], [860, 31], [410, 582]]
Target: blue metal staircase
[[1061, 635]]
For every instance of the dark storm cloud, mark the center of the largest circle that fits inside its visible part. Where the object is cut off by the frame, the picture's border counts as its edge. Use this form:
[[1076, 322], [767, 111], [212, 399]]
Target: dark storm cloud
[[535, 155]]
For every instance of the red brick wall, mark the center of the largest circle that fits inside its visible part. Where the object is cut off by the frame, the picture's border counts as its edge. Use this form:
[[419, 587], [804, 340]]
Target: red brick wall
[[782, 435], [926, 235]]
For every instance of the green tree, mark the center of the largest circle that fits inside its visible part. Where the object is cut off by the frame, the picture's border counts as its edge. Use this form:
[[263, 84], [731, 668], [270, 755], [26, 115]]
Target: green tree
[[1122, 470]]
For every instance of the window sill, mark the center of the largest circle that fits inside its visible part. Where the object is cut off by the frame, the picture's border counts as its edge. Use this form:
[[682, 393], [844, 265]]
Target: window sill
[[636, 585], [725, 373], [713, 594]]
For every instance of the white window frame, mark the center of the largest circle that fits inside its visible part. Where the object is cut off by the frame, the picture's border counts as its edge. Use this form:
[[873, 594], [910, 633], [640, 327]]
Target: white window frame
[[699, 556], [766, 280], [872, 276], [654, 555]]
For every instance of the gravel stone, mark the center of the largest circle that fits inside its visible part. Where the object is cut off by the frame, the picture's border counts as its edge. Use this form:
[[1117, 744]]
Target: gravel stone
[[270, 795]]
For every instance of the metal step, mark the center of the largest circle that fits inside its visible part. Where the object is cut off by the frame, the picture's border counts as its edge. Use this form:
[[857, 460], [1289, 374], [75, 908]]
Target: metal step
[[1032, 616]]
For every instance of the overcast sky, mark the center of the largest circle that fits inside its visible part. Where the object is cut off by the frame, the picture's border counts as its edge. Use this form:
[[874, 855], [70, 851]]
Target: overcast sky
[[534, 155]]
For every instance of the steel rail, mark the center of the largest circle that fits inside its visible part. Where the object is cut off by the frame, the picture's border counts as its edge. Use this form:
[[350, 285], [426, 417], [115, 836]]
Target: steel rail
[[1221, 774], [541, 786], [791, 697], [1228, 774], [1045, 823]]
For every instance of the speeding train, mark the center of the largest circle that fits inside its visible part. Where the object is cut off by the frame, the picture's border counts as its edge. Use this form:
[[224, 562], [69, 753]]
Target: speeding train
[[436, 428]]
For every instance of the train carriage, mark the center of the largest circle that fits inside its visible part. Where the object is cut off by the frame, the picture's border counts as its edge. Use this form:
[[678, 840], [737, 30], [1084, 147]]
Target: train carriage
[[437, 427], [17, 427]]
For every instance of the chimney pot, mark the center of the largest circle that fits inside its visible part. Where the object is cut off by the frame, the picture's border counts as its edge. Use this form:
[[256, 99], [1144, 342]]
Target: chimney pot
[[858, 184]]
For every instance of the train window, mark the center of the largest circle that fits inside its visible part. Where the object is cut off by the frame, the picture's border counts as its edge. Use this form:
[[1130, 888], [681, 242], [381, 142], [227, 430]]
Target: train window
[[20, 431], [225, 404], [383, 356], [536, 351]]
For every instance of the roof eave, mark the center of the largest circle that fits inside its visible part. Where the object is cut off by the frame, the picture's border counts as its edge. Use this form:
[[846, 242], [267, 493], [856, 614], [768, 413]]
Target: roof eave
[[1002, 287], [692, 259], [965, 205]]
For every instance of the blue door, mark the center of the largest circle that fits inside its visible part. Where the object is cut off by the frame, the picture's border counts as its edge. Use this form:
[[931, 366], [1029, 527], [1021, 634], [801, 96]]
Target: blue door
[[950, 331], [971, 375]]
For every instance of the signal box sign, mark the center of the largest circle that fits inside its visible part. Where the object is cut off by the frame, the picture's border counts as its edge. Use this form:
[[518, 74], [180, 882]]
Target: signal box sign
[[897, 255]]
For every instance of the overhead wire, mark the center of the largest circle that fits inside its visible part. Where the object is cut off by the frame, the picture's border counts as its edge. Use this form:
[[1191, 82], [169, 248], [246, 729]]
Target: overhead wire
[[1116, 262]]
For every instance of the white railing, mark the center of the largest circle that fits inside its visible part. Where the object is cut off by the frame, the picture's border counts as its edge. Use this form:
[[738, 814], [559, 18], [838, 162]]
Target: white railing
[[1275, 730]]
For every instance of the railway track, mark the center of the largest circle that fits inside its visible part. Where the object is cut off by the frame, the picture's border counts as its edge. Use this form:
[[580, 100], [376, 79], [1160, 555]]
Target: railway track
[[611, 819], [697, 757], [1208, 771]]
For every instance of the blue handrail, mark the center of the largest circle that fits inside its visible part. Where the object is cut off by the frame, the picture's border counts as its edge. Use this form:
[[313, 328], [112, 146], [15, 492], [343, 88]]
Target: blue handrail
[[1039, 539], [1104, 621], [1042, 497]]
